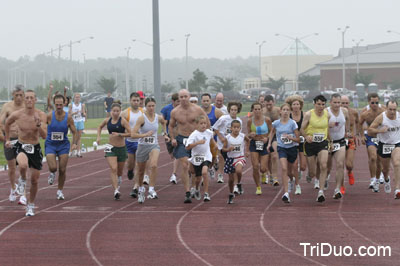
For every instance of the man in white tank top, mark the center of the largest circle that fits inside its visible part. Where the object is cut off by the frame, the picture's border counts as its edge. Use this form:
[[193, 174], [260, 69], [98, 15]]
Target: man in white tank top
[[387, 127], [339, 126], [78, 112]]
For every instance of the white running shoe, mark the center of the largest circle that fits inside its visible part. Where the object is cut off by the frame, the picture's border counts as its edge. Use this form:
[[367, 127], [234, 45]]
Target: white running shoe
[[79, 154], [30, 210], [376, 186], [206, 197], [388, 188], [192, 192], [152, 194], [60, 195], [51, 178], [146, 180], [236, 190], [298, 190], [321, 196], [197, 195], [21, 186], [316, 183], [117, 194], [337, 194], [372, 183], [211, 172], [13, 195], [382, 178], [286, 198], [22, 200], [172, 179], [70, 154], [220, 178], [141, 197]]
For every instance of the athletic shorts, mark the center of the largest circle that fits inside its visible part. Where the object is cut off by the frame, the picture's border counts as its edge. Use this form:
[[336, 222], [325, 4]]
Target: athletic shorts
[[10, 153], [230, 164], [340, 142], [313, 148], [370, 142], [79, 125], [180, 150], [351, 144], [62, 147], [119, 152], [131, 146], [199, 168], [385, 150], [143, 152], [32, 152], [262, 149], [224, 155], [289, 153]]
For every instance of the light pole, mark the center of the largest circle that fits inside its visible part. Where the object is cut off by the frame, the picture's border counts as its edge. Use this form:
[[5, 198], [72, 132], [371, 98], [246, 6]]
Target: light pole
[[343, 64], [260, 44], [357, 47], [127, 73], [186, 65], [296, 40]]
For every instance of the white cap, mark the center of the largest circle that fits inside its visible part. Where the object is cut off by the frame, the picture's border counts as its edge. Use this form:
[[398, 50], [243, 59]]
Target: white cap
[[193, 99]]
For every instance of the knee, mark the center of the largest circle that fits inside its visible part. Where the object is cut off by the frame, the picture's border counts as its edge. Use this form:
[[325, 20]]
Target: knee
[[256, 168], [396, 163], [372, 159], [34, 181], [339, 165]]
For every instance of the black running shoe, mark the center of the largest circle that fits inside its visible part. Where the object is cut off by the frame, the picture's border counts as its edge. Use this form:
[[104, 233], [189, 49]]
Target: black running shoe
[[130, 174], [230, 199], [188, 198], [134, 193], [241, 191]]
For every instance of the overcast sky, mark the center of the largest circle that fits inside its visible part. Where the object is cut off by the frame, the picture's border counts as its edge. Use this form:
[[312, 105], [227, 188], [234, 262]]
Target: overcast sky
[[218, 28]]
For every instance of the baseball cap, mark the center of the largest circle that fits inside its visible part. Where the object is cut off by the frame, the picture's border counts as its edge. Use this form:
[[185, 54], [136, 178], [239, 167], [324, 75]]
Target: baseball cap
[[141, 94]]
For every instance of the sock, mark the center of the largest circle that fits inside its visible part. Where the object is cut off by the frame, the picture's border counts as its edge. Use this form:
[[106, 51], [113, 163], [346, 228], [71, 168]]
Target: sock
[[151, 188]]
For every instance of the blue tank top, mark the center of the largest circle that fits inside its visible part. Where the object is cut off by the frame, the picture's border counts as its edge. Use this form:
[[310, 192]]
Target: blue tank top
[[117, 127], [259, 130], [212, 116], [57, 131]]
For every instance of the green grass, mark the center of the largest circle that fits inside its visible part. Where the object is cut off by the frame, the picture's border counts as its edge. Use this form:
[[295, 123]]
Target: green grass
[[93, 123]]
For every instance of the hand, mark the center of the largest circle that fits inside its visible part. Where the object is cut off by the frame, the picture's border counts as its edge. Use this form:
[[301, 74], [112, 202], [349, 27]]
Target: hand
[[308, 139], [332, 124], [268, 147], [8, 144], [247, 154], [230, 149], [201, 142], [252, 135], [167, 139], [174, 143], [37, 119], [98, 141], [363, 140], [383, 129], [150, 133]]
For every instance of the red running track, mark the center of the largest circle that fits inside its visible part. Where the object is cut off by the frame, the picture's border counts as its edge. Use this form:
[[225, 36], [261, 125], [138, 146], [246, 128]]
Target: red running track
[[90, 228]]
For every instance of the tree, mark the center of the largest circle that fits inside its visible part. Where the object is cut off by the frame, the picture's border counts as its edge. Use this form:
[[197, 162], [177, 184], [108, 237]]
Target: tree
[[307, 82], [276, 84], [107, 85], [198, 82], [363, 78], [167, 87], [223, 84]]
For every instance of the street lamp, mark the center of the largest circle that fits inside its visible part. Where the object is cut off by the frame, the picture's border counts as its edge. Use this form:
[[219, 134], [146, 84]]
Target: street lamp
[[70, 55], [297, 39], [343, 64], [357, 47], [126, 73], [186, 67], [260, 44]]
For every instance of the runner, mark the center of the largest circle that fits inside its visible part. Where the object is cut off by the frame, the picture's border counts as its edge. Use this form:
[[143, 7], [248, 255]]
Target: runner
[[315, 132], [339, 130], [148, 149], [17, 103], [78, 112], [371, 141], [31, 124], [183, 117], [287, 134], [57, 143], [199, 145], [194, 100], [115, 151], [219, 103], [387, 127], [258, 127], [235, 156]]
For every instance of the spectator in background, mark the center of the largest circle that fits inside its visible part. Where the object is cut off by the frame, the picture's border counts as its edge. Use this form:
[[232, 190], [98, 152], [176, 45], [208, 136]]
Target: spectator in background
[[386, 97], [142, 98], [355, 100], [108, 101]]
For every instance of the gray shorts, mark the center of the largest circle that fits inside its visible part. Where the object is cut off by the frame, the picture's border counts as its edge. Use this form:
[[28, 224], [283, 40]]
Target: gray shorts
[[143, 152], [10, 153]]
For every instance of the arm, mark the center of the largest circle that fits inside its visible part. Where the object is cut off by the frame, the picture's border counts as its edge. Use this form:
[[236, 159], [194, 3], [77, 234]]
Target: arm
[[272, 132], [11, 119], [250, 134], [72, 127], [247, 151], [83, 110], [347, 126], [163, 123], [99, 130], [172, 123], [135, 132], [225, 148], [125, 124], [41, 123], [105, 103], [269, 124], [194, 144], [373, 128], [304, 125], [49, 96]]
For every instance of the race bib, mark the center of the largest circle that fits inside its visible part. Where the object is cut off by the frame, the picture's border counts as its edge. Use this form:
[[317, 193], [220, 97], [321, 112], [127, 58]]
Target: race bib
[[318, 137], [347, 142], [236, 148], [387, 149], [228, 130], [286, 140], [184, 141], [76, 117], [336, 147], [108, 148], [259, 145], [302, 139], [375, 140], [57, 136], [149, 140], [198, 159], [28, 148]]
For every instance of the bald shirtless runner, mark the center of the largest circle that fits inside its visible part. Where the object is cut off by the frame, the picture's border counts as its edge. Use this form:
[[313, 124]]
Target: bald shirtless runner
[[183, 116], [31, 124]]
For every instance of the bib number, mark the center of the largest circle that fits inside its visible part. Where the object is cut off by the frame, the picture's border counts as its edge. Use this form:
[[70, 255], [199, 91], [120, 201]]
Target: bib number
[[149, 140], [259, 145], [375, 140], [286, 140], [336, 147], [318, 137], [199, 159], [76, 117], [387, 149], [28, 148], [57, 136], [236, 148], [108, 148]]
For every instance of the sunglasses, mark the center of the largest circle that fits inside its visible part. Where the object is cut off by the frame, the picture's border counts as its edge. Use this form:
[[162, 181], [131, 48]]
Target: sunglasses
[[374, 102]]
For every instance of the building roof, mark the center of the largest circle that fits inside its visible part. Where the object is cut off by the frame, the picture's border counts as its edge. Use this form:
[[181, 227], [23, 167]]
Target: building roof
[[302, 49]]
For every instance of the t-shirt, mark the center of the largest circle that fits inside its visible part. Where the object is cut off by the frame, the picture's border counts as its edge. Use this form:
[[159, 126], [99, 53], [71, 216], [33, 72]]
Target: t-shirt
[[166, 112], [237, 144], [223, 109], [200, 153], [282, 129], [223, 125], [109, 101]]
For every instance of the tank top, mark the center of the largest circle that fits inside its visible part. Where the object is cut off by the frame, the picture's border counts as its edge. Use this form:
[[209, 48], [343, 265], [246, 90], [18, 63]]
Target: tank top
[[238, 145], [211, 116], [318, 126], [300, 121], [260, 130], [77, 108], [57, 131], [117, 127], [392, 136], [338, 131], [149, 126], [132, 118]]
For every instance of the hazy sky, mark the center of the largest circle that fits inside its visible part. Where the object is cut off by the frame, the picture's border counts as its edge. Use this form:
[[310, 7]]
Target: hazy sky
[[218, 28]]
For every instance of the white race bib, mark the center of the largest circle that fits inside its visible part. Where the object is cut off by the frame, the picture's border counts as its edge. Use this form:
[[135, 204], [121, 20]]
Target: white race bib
[[336, 146], [236, 147], [28, 148], [375, 140], [76, 117], [108, 148], [387, 148], [318, 137], [149, 140], [286, 140], [259, 145], [198, 159], [184, 141], [57, 136]]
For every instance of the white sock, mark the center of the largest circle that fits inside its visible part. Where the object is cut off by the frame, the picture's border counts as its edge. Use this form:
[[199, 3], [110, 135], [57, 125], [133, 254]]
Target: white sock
[[151, 188]]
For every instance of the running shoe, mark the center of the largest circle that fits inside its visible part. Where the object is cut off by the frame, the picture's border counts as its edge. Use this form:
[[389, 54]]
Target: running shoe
[[326, 185], [119, 181], [70, 154], [130, 174], [298, 190], [376, 186], [275, 182], [30, 210], [13, 195], [22, 200], [309, 179], [372, 183], [230, 199], [381, 178], [321, 196], [152, 194], [188, 198], [271, 180], [397, 194], [51, 178], [206, 197], [337, 194], [172, 179], [117, 194], [21, 186], [60, 195], [197, 195], [388, 188], [351, 178], [79, 154], [134, 193], [146, 180], [264, 179], [141, 197], [258, 191], [192, 192], [286, 198], [290, 186], [316, 183], [240, 188], [343, 190], [211, 172], [220, 178], [236, 190]]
